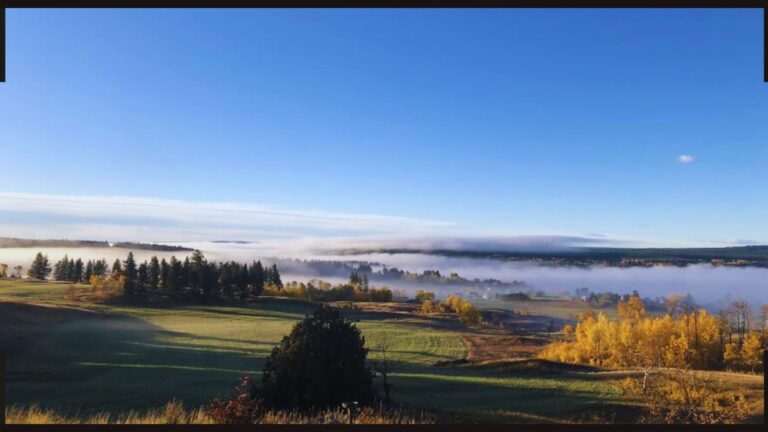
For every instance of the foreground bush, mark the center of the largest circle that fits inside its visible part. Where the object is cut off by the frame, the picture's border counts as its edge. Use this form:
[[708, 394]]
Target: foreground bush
[[319, 365]]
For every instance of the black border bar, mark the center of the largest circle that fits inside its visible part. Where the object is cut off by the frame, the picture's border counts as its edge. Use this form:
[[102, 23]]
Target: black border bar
[[2, 383]]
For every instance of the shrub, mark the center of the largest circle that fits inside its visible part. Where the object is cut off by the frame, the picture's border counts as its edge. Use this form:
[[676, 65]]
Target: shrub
[[423, 296], [242, 408], [683, 397], [320, 364]]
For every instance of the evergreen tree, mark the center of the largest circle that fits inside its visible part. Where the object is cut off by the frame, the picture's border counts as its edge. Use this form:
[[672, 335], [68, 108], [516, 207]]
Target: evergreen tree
[[142, 279], [117, 268], [242, 282], [174, 277], [275, 277], [60, 269], [320, 364], [129, 271], [165, 281], [202, 276], [40, 268], [354, 278], [154, 274], [100, 267], [257, 277], [88, 272], [366, 284], [77, 275], [226, 279], [70, 271], [185, 273]]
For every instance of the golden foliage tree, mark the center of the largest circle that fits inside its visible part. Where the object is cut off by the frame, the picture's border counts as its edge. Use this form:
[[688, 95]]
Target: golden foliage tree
[[688, 340]]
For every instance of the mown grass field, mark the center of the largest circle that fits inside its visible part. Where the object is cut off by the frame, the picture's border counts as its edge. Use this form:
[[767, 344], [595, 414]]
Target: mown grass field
[[86, 358]]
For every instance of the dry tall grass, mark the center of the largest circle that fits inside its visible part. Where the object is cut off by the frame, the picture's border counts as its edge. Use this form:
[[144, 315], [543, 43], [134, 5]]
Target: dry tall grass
[[175, 413]]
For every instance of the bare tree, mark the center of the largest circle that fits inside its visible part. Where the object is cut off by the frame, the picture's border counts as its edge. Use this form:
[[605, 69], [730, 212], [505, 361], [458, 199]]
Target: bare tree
[[742, 313], [382, 365]]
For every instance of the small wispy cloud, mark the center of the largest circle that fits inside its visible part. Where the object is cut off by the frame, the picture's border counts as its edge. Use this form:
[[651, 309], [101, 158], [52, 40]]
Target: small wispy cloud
[[686, 159]]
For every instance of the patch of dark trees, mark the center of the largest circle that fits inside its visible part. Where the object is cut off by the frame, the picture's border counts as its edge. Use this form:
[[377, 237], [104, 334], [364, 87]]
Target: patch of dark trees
[[737, 256]]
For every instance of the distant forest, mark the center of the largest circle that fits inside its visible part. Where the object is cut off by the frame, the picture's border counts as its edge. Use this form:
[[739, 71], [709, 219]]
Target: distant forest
[[386, 274], [737, 256], [8, 242]]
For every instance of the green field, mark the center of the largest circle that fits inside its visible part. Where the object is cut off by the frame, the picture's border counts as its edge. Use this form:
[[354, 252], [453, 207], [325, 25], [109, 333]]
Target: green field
[[85, 358]]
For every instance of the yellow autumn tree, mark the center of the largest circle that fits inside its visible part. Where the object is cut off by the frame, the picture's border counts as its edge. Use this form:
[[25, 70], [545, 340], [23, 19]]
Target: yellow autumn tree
[[687, 340], [752, 352], [631, 310]]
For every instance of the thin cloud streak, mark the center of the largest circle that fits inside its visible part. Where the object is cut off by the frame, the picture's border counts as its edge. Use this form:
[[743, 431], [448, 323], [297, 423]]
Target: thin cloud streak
[[234, 221]]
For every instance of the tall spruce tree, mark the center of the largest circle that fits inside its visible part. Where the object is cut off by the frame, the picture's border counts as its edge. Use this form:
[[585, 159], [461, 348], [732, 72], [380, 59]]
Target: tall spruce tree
[[40, 268], [88, 272], [117, 268], [77, 275], [70, 271], [256, 274], [154, 274], [142, 279], [275, 277], [129, 271], [60, 269], [242, 282], [100, 267], [165, 283]]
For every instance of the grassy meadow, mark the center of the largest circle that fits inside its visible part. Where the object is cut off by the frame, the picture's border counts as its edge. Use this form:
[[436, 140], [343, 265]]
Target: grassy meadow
[[82, 358]]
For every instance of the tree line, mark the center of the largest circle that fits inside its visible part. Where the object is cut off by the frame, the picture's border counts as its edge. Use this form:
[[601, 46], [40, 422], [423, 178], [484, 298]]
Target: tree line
[[194, 276]]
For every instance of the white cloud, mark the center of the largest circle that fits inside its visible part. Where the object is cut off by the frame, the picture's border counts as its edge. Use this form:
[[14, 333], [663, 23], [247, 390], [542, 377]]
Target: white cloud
[[147, 219], [686, 159]]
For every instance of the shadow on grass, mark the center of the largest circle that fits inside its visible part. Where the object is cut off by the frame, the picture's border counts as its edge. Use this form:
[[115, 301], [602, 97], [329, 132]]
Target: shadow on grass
[[86, 362]]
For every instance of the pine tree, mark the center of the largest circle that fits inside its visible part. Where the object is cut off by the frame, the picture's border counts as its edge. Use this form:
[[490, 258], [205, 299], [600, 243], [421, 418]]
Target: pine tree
[[142, 279], [185, 273], [164, 277], [77, 275], [257, 278], [275, 277], [175, 277], [242, 282], [100, 267], [117, 268], [129, 272], [88, 272], [70, 271], [154, 274], [40, 268], [60, 269]]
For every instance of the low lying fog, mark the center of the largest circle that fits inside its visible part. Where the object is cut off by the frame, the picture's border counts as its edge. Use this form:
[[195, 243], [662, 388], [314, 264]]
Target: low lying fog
[[708, 284]]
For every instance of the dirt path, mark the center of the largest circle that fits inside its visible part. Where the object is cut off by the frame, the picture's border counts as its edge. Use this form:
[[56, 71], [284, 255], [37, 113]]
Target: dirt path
[[501, 347]]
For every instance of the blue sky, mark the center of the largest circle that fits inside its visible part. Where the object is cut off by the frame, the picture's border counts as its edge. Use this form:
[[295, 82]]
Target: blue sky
[[428, 122]]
